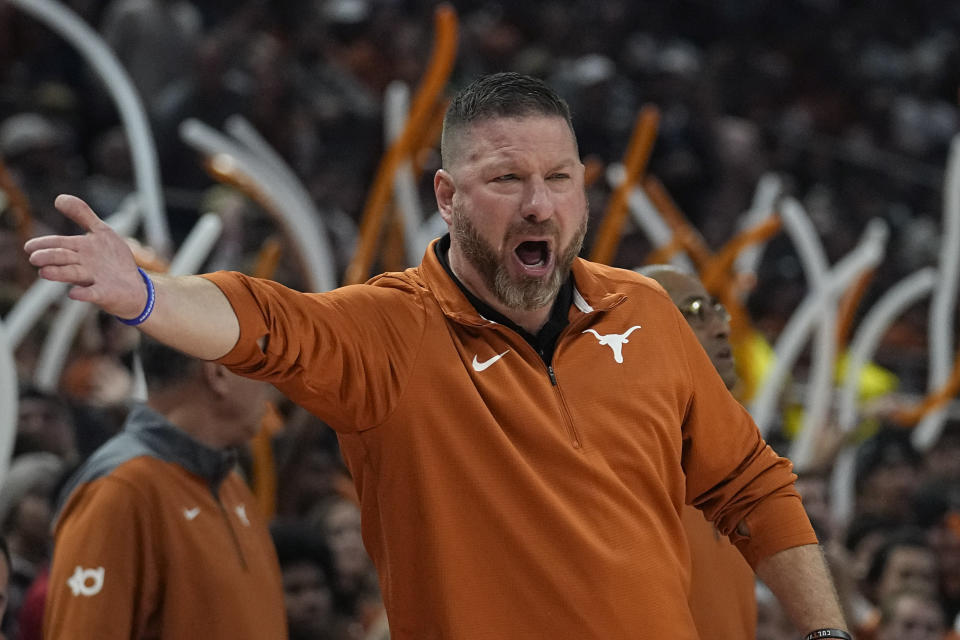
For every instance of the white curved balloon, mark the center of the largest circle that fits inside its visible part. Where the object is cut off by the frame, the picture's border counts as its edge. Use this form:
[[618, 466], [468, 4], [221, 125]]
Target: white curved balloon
[[842, 493], [820, 381], [98, 55], [9, 399], [820, 377], [396, 111], [396, 101], [30, 306], [944, 304], [62, 332], [302, 227], [241, 129], [789, 344], [65, 325], [42, 293], [647, 217], [244, 131], [138, 383], [197, 246], [769, 188], [819, 388], [799, 227], [874, 325]]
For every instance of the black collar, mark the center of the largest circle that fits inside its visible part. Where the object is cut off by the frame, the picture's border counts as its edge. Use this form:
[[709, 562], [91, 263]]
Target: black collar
[[546, 339], [173, 444]]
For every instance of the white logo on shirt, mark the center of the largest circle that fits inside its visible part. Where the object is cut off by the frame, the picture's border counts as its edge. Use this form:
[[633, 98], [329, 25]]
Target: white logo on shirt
[[480, 366], [86, 582], [241, 512], [615, 341], [190, 514]]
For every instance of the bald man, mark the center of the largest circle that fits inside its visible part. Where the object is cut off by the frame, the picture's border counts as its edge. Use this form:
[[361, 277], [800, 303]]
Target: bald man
[[722, 593]]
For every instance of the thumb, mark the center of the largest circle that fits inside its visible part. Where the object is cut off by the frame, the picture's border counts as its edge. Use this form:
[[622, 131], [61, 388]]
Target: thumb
[[78, 211]]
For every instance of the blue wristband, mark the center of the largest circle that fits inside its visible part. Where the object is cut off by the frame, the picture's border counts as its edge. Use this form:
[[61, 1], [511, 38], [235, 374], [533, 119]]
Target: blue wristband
[[151, 300]]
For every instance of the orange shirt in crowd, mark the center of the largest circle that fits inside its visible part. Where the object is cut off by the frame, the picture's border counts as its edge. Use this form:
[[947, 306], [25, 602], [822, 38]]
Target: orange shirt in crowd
[[159, 537]]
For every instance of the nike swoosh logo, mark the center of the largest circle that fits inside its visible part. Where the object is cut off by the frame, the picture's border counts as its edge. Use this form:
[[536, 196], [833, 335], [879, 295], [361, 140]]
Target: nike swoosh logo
[[480, 366], [190, 514]]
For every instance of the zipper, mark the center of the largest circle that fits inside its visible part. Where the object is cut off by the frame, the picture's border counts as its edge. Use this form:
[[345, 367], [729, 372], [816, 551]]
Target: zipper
[[551, 374], [564, 410], [569, 425], [567, 419]]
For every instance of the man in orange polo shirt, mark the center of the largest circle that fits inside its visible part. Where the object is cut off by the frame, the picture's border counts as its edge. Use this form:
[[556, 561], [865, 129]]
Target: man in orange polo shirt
[[157, 535], [523, 426]]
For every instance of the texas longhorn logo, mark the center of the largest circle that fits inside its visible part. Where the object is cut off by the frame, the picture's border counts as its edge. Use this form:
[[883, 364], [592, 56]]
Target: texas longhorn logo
[[615, 341]]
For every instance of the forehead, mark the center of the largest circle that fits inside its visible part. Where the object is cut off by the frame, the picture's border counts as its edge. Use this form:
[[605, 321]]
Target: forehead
[[681, 287], [517, 138]]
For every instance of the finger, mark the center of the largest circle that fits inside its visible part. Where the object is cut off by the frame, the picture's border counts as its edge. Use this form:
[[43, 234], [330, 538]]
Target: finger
[[70, 273], [48, 242], [78, 211], [53, 257], [82, 294]]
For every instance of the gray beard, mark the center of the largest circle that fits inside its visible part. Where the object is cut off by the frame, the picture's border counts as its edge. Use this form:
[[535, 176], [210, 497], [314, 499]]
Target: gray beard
[[522, 293]]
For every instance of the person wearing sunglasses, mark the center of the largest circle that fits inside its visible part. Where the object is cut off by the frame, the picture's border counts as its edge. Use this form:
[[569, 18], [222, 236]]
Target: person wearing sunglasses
[[722, 585]]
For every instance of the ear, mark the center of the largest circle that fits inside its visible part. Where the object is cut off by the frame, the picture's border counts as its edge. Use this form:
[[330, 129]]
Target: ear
[[444, 188], [217, 379]]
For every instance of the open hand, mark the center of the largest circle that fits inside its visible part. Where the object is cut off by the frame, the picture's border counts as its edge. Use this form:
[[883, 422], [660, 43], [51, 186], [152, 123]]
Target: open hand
[[98, 264]]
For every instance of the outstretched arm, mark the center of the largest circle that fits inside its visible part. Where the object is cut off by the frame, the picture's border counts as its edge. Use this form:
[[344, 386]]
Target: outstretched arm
[[190, 313]]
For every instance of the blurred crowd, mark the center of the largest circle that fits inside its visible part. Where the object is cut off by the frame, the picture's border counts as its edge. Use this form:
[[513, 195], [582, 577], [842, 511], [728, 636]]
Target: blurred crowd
[[853, 104]]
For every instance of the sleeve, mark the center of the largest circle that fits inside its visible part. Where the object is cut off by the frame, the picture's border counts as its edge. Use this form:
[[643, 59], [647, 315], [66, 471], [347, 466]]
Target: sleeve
[[732, 474], [344, 355], [104, 580]]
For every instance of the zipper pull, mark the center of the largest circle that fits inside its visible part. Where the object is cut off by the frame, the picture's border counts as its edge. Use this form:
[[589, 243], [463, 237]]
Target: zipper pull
[[553, 377]]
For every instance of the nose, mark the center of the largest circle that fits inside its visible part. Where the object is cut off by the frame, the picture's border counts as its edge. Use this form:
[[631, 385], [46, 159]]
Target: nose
[[719, 325], [537, 204]]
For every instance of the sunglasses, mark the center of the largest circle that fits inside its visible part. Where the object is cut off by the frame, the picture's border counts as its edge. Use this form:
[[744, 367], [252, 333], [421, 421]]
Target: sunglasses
[[698, 311]]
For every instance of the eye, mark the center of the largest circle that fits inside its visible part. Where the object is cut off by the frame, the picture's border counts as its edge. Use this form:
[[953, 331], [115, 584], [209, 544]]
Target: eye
[[694, 309], [721, 311], [559, 176], [507, 177]]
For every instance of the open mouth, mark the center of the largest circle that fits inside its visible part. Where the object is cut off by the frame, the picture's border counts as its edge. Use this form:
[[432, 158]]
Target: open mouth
[[533, 254]]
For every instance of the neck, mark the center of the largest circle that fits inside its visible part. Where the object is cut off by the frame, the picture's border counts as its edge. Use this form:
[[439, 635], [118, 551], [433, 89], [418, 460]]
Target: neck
[[531, 321], [194, 419]]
